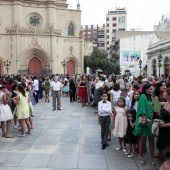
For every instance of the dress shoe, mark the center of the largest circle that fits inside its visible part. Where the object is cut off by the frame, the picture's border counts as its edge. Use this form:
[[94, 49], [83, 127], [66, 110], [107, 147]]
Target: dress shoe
[[103, 146]]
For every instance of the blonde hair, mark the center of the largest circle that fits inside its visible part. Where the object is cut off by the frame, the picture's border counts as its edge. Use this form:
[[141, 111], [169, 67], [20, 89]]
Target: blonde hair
[[129, 84]]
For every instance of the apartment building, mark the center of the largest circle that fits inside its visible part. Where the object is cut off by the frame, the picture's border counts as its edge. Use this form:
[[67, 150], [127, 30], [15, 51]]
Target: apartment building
[[95, 34], [116, 20]]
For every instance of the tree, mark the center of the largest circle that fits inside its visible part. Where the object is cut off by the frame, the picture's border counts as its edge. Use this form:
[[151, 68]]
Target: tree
[[98, 60]]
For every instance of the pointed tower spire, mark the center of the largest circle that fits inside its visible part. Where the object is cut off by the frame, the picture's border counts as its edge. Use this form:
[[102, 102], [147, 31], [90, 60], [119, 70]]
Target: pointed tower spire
[[78, 6]]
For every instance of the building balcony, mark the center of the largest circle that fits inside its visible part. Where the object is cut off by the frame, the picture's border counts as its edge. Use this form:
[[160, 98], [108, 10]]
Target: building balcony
[[101, 39]]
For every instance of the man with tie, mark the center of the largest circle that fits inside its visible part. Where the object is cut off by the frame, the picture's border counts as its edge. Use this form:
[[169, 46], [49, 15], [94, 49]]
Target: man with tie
[[104, 111]]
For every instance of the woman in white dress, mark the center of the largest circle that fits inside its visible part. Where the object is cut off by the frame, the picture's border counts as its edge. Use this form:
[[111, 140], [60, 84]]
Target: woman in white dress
[[5, 112]]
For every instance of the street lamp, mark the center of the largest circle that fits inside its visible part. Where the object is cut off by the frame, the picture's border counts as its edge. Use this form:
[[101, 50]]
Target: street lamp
[[64, 64], [159, 63], [140, 65], [7, 64]]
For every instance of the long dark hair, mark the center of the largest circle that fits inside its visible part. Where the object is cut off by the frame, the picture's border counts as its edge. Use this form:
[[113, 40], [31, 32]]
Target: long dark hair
[[157, 87], [145, 87], [21, 89], [133, 113], [14, 87], [133, 99]]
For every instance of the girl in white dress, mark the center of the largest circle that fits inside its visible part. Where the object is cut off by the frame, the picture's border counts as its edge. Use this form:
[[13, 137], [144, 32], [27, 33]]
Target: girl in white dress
[[120, 122], [5, 112]]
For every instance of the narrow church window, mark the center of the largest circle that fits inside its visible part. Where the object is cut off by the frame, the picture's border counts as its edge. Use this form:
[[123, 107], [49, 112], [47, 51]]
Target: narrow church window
[[71, 30]]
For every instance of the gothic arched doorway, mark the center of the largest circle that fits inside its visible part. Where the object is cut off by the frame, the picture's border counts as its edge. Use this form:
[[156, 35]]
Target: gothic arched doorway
[[35, 66], [34, 61], [70, 67]]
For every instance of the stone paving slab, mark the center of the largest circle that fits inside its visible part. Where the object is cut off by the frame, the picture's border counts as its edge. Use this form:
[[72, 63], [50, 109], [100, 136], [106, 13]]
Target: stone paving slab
[[64, 140]]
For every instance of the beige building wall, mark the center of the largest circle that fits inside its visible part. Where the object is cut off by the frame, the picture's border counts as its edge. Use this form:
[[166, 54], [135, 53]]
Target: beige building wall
[[88, 48], [48, 40], [161, 48]]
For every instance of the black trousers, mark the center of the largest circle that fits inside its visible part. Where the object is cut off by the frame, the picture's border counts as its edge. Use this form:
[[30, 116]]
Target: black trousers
[[36, 96], [72, 95], [105, 122]]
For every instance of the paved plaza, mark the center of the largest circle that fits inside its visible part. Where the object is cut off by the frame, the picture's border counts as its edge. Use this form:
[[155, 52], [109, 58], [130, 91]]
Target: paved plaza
[[64, 140]]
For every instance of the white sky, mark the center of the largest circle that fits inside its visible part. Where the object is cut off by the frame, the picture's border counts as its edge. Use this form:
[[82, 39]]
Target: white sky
[[140, 13]]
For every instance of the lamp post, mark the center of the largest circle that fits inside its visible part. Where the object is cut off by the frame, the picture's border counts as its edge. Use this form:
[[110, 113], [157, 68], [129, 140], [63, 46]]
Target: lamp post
[[140, 65], [7, 64], [159, 63], [64, 64]]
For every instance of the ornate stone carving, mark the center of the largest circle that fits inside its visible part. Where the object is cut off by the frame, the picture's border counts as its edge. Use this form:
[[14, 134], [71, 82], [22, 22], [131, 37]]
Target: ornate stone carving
[[22, 30], [34, 42]]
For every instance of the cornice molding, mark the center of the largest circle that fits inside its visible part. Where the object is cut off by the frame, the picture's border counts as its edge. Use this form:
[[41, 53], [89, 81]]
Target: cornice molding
[[26, 30]]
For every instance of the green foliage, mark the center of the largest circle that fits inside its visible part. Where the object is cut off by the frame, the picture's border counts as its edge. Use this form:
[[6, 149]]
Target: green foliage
[[97, 60]]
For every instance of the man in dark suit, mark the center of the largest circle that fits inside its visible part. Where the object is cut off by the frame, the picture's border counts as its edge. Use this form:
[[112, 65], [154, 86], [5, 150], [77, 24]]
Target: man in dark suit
[[72, 87]]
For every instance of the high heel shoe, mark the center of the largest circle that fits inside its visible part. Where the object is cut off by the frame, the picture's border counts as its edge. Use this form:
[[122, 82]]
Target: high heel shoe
[[141, 161]]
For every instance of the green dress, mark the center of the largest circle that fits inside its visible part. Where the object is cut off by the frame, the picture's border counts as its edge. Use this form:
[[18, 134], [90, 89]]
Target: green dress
[[47, 87], [23, 109], [144, 107]]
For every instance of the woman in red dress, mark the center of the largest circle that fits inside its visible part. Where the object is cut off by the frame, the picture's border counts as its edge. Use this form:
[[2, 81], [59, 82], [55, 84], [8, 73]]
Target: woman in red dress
[[82, 93]]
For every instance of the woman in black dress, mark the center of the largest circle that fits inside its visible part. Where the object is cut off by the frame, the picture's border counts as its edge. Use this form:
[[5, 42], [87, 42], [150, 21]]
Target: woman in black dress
[[164, 131]]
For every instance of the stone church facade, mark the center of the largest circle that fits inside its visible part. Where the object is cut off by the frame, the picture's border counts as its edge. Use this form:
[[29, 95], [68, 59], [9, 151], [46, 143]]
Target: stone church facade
[[37, 35]]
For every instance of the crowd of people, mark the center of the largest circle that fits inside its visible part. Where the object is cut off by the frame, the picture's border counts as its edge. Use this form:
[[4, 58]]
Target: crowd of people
[[133, 109]]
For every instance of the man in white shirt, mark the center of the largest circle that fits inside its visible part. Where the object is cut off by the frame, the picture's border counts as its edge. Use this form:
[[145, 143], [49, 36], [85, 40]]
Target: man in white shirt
[[56, 91], [104, 111], [36, 88]]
